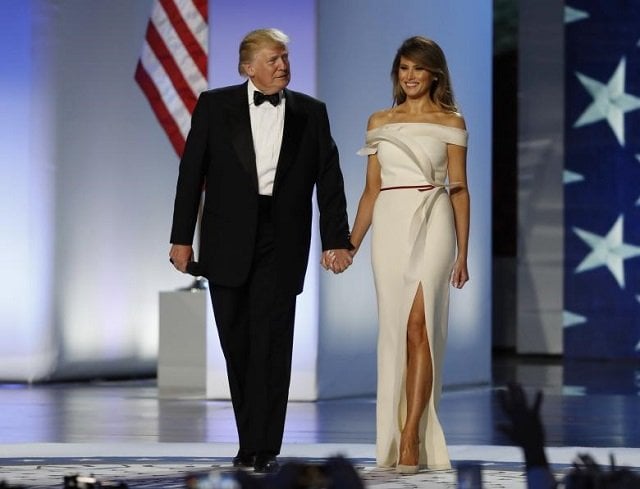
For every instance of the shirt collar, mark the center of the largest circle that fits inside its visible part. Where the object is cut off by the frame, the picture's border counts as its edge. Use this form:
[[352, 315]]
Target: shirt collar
[[252, 88]]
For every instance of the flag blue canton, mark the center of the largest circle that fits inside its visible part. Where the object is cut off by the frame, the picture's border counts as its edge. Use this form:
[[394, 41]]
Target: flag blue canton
[[602, 179]]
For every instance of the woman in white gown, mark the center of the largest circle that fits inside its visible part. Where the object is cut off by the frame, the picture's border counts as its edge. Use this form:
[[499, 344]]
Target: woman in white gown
[[417, 203]]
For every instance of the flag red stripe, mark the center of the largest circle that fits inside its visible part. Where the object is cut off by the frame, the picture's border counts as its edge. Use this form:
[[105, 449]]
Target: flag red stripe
[[170, 67], [201, 5], [159, 108], [186, 36]]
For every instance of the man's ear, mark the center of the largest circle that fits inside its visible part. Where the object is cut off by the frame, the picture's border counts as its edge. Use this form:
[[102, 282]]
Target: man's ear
[[248, 69]]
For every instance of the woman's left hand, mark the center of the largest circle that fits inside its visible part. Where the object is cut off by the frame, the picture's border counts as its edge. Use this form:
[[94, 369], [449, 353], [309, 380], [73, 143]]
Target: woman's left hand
[[460, 274]]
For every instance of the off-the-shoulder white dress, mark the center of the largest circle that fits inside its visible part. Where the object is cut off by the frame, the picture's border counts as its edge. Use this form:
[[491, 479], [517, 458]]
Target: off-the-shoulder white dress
[[413, 242]]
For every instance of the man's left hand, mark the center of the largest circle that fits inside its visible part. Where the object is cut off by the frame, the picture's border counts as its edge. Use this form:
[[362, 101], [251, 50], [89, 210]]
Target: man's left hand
[[336, 260]]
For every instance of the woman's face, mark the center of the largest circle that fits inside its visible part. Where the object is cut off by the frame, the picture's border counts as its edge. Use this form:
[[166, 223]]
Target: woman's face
[[414, 78]]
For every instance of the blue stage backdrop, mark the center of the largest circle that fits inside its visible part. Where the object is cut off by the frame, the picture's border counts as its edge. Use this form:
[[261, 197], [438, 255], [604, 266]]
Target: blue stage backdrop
[[602, 179]]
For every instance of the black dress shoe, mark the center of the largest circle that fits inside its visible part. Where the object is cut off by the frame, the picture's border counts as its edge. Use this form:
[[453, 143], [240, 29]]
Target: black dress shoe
[[245, 458], [266, 463]]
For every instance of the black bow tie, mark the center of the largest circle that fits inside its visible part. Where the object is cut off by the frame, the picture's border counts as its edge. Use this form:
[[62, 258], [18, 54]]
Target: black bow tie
[[259, 97]]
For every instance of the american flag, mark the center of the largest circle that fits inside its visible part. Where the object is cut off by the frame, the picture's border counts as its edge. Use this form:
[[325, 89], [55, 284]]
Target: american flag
[[602, 179], [172, 70]]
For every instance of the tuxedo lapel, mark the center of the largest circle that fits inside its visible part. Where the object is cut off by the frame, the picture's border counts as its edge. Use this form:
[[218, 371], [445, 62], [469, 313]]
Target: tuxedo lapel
[[294, 124], [240, 130]]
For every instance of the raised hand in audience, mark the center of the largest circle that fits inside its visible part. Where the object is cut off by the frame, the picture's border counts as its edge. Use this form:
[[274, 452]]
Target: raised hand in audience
[[525, 427]]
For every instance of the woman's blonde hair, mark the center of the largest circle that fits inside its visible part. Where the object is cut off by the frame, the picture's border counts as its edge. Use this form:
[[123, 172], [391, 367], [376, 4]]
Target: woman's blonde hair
[[428, 54], [256, 40]]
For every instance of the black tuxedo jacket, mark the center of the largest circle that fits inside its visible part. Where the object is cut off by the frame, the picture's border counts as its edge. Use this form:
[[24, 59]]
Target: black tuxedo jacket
[[220, 158]]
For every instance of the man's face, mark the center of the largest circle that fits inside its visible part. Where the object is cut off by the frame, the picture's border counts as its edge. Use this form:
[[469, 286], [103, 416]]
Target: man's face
[[269, 69]]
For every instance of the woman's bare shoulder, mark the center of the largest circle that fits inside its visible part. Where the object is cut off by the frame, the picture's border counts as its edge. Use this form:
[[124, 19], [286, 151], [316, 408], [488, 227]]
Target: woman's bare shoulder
[[379, 118], [453, 119]]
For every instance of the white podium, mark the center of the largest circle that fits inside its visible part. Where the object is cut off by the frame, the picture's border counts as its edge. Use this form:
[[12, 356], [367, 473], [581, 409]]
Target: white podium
[[190, 361]]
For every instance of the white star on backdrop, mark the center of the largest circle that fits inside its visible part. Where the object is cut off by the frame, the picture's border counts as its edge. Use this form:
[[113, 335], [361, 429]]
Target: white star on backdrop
[[573, 14], [610, 251], [571, 319], [571, 177], [610, 101]]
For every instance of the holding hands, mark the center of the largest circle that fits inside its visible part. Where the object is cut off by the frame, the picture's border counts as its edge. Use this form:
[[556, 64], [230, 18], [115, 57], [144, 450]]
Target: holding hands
[[336, 260]]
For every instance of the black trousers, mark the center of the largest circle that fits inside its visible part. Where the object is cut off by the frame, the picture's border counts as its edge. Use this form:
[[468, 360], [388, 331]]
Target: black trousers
[[255, 326]]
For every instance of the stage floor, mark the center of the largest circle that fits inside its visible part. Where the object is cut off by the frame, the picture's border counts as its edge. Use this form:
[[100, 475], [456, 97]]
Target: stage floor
[[101, 427]]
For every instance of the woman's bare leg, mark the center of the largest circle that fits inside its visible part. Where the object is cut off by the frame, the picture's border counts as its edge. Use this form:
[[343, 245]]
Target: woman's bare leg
[[419, 380]]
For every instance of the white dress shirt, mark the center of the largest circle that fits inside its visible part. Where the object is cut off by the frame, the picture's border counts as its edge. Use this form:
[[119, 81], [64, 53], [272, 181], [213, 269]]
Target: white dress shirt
[[267, 126]]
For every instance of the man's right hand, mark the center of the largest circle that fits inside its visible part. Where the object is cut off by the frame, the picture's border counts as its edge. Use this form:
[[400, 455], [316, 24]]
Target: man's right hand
[[180, 256]]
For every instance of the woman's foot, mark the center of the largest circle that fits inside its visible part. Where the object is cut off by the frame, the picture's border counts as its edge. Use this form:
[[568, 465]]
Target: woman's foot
[[409, 455]]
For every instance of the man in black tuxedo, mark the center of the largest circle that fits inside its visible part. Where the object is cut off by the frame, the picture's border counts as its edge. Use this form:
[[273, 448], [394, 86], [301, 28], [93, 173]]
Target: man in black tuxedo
[[259, 150]]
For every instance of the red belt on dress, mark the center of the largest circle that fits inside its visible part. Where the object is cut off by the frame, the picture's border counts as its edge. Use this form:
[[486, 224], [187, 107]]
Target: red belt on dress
[[420, 188]]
